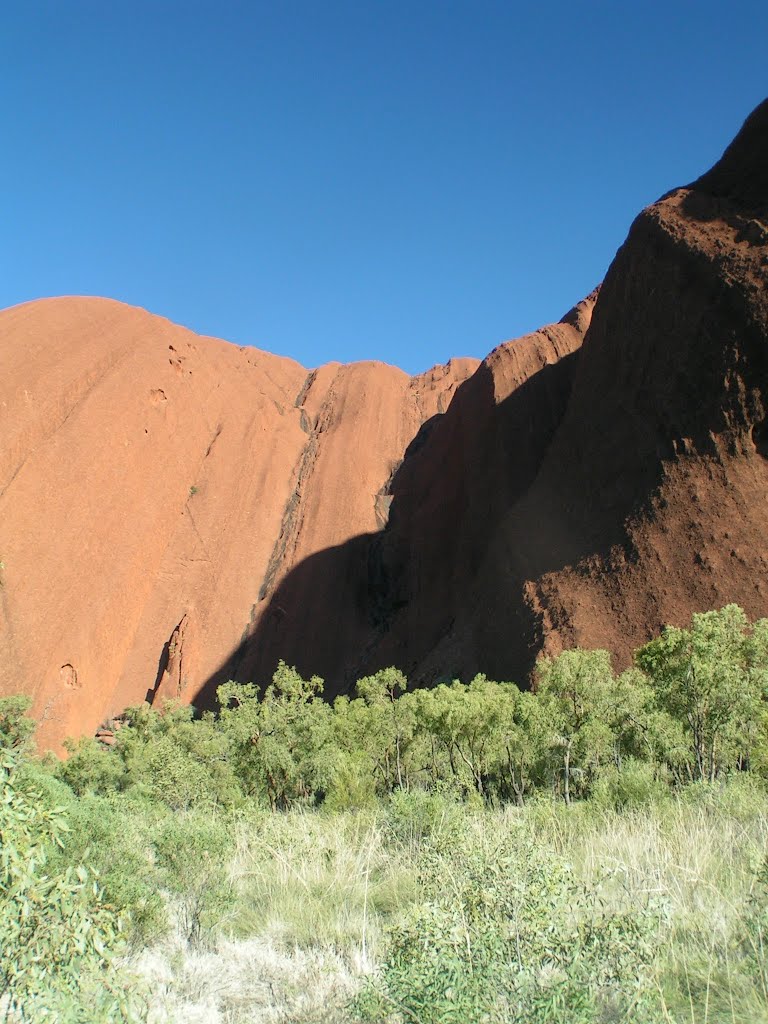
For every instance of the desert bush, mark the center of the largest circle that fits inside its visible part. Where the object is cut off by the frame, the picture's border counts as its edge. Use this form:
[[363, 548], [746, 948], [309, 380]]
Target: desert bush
[[503, 932], [626, 789], [752, 946], [114, 834], [711, 678], [172, 757], [192, 852], [16, 727], [58, 935], [634, 784], [351, 783], [416, 815], [381, 722], [91, 768], [741, 796], [281, 739]]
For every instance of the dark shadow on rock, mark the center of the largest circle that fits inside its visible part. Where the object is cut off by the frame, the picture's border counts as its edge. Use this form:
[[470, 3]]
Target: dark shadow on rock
[[740, 176], [395, 596], [497, 495], [161, 667], [493, 497], [315, 620], [421, 594]]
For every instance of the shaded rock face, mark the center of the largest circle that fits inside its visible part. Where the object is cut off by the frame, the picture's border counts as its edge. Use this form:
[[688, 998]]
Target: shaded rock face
[[643, 498], [176, 511], [656, 482], [404, 590], [590, 482]]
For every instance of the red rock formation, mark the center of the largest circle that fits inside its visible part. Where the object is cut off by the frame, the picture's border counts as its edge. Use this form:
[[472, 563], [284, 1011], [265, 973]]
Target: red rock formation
[[456, 486], [155, 485], [584, 494], [657, 481], [176, 511]]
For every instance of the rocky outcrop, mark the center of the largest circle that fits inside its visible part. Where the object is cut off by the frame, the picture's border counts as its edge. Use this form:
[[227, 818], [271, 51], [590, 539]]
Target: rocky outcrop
[[586, 493], [651, 500], [176, 511], [654, 492], [155, 488]]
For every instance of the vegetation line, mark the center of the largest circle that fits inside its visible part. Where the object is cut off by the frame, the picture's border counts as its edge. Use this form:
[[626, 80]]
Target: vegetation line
[[591, 852]]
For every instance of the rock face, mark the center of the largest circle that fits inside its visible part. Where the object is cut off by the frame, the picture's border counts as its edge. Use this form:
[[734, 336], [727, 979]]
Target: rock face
[[406, 591], [156, 485], [653, 499], [589, 483], [608, 489], [176, 511]]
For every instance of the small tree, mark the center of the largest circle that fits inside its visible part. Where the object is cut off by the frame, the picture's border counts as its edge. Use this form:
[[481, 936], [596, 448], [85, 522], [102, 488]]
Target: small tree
[[281, 740], [390, 724], [710, 677], [527, 741], [575, 689], [474, 725], [171, 756]]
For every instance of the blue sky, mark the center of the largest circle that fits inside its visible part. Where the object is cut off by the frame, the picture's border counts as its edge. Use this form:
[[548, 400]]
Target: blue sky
[[405, 181]]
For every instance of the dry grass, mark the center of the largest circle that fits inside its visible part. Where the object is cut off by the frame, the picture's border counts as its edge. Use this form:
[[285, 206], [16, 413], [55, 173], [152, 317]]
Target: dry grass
[[315, 892], [318, 881], [249, 980], [698, 856]]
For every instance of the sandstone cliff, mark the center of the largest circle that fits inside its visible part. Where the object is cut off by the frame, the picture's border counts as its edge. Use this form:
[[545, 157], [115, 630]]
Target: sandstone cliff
[[583, 493], [156, 485], [176, 511], [657, 481]]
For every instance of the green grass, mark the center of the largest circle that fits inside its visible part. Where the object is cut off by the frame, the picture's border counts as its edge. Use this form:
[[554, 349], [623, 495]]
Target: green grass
[[316, 894], [319, 881], [699, 855]]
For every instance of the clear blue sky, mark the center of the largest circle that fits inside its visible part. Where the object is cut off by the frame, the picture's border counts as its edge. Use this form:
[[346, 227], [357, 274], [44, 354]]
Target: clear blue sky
[[403, 180]]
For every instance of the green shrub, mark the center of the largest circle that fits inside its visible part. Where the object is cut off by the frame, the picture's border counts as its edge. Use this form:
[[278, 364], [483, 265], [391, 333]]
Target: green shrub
[[741, 795], [711, 679], [91, 768], [58, 935], [754, 940], [281, 739], [504, 933], [634, 785], [115, 835], [352, 785], [416, 815], [16, 727], [192, 852], [178, 760]]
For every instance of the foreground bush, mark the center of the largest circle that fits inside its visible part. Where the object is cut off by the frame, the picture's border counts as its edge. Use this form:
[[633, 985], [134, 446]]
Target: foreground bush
[[503, 932], [57, 935]]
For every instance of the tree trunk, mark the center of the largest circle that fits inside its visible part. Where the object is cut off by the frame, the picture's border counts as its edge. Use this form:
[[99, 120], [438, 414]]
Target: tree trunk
[[567, 772]]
